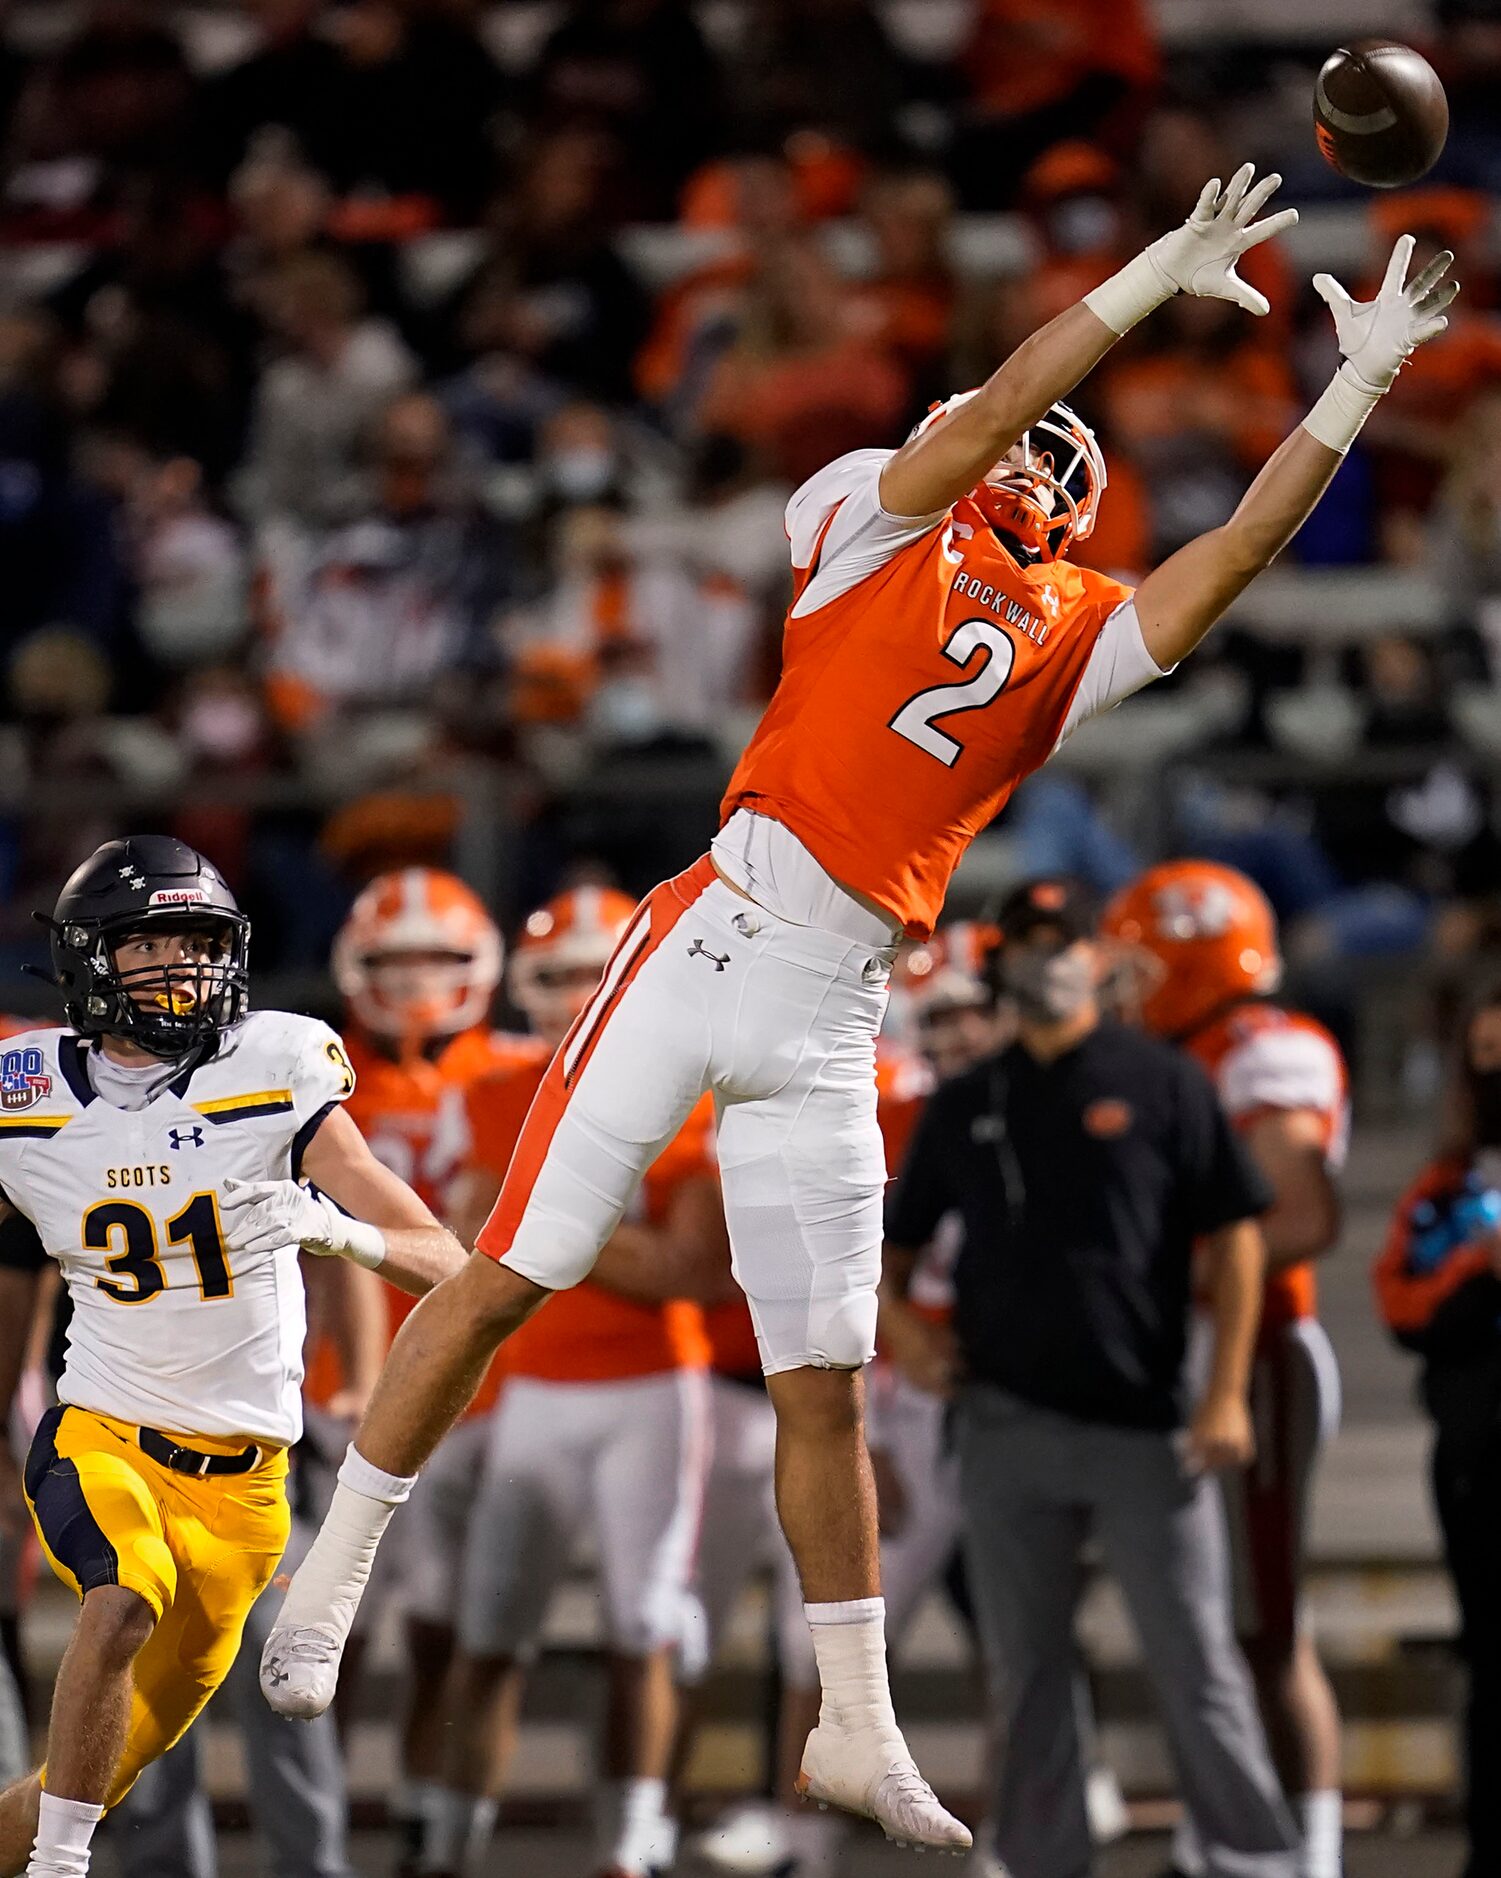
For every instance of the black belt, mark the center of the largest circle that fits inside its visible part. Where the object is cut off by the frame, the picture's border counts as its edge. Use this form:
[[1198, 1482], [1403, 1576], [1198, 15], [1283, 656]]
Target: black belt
[[167, 1453]]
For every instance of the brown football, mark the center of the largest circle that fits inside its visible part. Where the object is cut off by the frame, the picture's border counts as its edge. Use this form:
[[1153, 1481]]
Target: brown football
[[1379, 113]]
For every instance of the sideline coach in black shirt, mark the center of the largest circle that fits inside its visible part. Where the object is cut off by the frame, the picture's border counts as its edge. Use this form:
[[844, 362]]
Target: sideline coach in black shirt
[[1086, 1162]]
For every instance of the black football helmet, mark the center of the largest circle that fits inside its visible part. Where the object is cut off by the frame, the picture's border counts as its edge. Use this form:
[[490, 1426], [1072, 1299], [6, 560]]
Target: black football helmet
[[149, 882]]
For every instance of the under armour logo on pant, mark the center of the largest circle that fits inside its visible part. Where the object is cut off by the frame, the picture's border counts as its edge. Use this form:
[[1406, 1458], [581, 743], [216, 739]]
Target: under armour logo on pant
[[699, 949]]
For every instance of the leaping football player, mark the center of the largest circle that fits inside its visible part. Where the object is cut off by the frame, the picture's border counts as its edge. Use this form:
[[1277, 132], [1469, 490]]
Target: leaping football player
[[939, 648], [159, 1146]]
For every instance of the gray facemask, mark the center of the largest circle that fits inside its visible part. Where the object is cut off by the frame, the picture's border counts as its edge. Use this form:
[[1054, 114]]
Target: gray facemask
[[1049, 987]]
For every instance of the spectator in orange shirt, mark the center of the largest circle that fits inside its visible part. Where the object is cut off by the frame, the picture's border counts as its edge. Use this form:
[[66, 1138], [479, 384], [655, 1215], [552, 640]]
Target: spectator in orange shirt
[[906, 306], [1172, 141], [799, 380], [1042, 70], [1198, 409], [1073, 200]]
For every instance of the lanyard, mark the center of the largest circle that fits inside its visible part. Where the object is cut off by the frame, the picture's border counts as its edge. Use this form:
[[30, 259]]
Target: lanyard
[[996, 1131]]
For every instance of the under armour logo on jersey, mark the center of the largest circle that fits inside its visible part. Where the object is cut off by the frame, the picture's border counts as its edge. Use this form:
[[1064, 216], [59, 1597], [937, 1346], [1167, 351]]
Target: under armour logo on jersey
[[185, 1137], [699, 949]]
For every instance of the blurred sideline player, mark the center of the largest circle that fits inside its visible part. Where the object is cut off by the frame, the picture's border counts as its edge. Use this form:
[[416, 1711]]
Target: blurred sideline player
[[939, 648], [418, 962], [157, 1148], [741, 1536], [602, 1428], [955, 1022], [1205, 940]]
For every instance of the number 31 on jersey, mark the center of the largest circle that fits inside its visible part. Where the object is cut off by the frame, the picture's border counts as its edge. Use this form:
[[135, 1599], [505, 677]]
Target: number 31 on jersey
[[128, 1232]]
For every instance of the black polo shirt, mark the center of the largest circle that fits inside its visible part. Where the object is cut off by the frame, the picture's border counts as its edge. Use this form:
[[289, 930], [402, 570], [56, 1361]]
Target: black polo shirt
[[1082, 1185]]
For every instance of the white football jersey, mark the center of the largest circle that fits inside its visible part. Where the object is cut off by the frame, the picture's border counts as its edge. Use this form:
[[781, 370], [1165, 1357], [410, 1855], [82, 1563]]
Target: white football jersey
[[169, 1330]]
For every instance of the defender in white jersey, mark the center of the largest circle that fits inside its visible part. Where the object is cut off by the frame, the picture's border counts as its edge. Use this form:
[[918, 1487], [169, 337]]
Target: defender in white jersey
[[159, 1148]]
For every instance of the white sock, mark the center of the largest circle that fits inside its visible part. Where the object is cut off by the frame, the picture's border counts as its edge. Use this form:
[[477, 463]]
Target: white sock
[[372, 1481], [627, 1821], [1321, 1816], [1188, 1853], [459, 1827], [849, 1642], [665, 1843], [64, 1829], [409, 1811], [328, 1585]]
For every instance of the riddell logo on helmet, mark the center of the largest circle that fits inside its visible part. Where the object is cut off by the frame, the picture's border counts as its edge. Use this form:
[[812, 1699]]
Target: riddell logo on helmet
[[178, 896]]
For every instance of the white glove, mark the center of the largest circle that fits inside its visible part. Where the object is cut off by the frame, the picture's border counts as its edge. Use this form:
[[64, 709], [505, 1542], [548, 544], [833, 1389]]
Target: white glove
[[265, 1215], [1378, 336], [1200, 257]]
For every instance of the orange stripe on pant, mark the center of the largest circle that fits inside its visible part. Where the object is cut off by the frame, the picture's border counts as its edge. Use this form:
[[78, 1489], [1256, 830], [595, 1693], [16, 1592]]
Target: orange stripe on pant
[[665, 906]]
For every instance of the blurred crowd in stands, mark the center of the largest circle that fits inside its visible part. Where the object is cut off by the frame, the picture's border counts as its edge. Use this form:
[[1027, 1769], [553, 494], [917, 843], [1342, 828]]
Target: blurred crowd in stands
[[403, 389]]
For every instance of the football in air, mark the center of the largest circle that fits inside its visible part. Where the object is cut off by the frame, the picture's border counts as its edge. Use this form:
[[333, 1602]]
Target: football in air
[[1379, 113]]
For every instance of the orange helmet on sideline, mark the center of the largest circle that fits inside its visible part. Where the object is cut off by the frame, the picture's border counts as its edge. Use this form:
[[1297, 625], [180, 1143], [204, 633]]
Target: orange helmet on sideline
[[1203, 936], [418, 957], [561, 951]]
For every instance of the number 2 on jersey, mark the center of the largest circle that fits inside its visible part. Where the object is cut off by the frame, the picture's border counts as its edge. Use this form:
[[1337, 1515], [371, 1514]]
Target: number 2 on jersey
[[915, 720], [129, 1225]]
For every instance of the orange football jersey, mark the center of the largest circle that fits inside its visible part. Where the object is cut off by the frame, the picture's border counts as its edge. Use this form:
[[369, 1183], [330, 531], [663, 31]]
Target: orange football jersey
[[1263, 1057], [399, 1107], [921, 682], [589, 1333]]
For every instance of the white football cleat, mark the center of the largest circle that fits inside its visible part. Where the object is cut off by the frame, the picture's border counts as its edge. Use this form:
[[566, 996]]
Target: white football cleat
[[300, 1668], [750, 1841], [869, 1772]]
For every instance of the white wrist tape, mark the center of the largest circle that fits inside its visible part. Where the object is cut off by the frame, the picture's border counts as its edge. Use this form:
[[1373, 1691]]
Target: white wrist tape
[[364, 1244], [1129, 296], [1336, 419]]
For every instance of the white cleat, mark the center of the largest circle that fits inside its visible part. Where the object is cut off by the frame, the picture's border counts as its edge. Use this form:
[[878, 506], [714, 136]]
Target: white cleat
[[300, 1669], [869, 1772], [751, 1841]]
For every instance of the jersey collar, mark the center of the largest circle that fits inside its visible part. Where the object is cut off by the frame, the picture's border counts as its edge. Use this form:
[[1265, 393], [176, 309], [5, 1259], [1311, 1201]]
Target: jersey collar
[[72, 1060], [72, 1054]]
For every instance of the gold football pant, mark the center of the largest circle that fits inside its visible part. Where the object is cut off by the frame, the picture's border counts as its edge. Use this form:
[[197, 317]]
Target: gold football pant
[[199, 1551]]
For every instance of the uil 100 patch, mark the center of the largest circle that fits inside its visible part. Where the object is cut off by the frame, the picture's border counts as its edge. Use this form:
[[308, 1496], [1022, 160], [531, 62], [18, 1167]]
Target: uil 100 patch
[[22, 1081]]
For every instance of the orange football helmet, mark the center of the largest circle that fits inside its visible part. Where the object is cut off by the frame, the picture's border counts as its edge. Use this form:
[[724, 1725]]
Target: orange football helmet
[[1202, 935], [561, 951], [1049, 496], [418, 957]]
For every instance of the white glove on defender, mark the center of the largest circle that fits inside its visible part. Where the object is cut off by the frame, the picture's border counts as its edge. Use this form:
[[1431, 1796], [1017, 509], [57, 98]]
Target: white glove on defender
[[265, 1215], [1198, 258], [1378, 336]]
